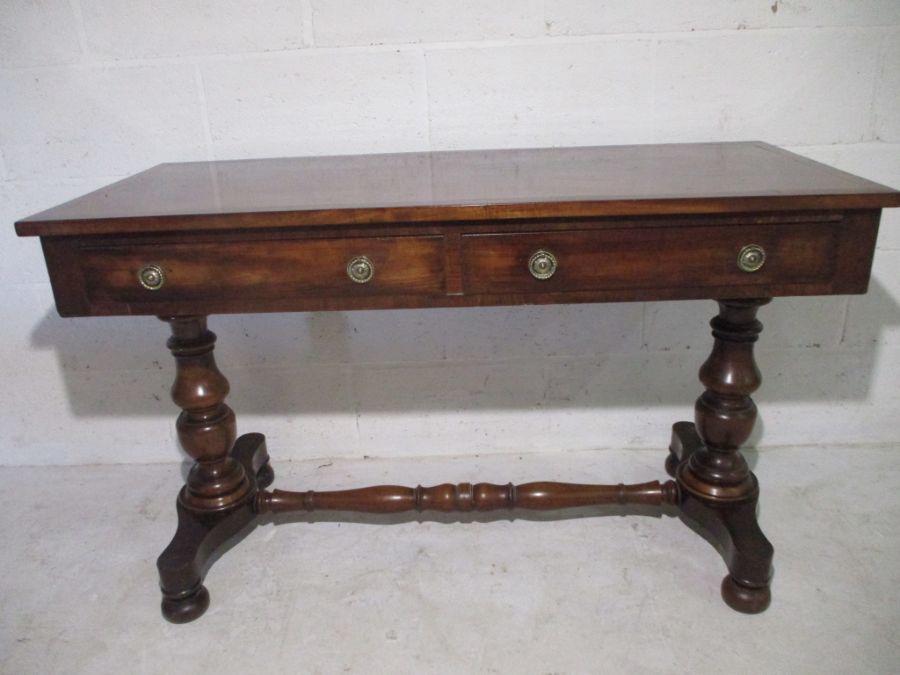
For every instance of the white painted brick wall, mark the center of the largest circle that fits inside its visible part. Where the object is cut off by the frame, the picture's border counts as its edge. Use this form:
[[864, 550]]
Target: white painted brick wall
[[154, 28], [312, 102], [788, 87], [98, 120], [38, 33], [592, 17], [887, 100], [91, 91], [550, 93], [343, 23]]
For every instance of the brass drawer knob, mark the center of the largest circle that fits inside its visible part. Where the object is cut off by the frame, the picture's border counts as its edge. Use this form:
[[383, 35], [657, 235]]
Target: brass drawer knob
[[542, 264], [152, 277], [751, 258], [360, 269]]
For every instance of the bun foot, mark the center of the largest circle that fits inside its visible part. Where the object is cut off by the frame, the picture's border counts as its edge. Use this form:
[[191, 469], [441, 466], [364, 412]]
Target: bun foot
[[186, 608], [744, 598]]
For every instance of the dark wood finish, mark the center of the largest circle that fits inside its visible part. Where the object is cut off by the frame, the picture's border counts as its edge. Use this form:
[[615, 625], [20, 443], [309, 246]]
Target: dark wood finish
[[725, 413], [203, 533], [454, 230], [259, 270], [206, 426], [217, 499], [465, 264], [447, 497], [693, 256], [719, 493], [426, 187]]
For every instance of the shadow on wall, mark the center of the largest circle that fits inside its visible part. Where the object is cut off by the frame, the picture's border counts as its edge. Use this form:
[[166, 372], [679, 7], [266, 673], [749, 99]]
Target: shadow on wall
[[564, 356]]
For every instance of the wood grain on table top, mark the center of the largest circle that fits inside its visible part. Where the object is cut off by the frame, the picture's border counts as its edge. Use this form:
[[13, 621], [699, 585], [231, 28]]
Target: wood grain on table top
[[461, 185]]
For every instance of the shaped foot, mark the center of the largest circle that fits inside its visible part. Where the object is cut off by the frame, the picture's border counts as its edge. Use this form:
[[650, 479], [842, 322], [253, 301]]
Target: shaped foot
[[201, 535], [186, 608], [732, 528], [745, 599]]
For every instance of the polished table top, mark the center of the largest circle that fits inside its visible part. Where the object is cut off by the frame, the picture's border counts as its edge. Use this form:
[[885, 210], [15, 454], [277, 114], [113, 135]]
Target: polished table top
[[465, 185]]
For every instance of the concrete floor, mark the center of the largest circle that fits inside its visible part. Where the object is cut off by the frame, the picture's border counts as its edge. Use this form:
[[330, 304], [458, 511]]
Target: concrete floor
[[589, 595]]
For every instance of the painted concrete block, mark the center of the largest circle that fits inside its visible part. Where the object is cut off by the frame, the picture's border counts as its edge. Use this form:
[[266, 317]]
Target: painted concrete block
[[887, 95], [393, 336], [312, 104], [492, 334], [38, 33], [758, 85], [339, 23], [789, 13], [154, 28], [850, 397], [27, 311], [874, 319], [450, 408], [585, 17], [78, 122], [802, 322], [541, 95]]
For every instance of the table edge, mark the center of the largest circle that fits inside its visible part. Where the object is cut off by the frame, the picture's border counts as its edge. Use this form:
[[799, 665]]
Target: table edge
[[455, 213]]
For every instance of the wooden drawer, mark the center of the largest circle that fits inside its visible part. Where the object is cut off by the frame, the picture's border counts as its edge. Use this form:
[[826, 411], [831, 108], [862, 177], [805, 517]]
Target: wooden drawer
[[463, 264], [649, 257], [264, 270]]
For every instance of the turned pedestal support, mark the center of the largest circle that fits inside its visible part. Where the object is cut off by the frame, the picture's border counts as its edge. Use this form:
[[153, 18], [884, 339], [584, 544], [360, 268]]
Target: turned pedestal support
[[719, 493], [713, 489], [217, 501]]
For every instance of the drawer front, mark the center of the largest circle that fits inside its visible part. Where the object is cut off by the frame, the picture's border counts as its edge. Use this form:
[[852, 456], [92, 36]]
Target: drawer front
[[264, 270], [648, 257]]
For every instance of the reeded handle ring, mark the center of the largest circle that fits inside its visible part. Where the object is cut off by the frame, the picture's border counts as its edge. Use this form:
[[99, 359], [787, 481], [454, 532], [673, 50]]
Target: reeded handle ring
[[542, 264], [751, 258], [360, 269], [152, 277]]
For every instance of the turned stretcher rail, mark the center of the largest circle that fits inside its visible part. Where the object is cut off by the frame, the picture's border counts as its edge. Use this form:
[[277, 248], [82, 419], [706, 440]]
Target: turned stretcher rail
[[543, 495]]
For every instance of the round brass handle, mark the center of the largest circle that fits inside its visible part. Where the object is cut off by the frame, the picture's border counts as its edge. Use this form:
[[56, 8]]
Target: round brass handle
[[751, 258], [542, 264], [360, 269], [152, 277]]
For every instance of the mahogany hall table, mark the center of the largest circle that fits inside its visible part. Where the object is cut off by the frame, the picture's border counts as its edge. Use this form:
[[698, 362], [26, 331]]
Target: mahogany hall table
[[739, 223]]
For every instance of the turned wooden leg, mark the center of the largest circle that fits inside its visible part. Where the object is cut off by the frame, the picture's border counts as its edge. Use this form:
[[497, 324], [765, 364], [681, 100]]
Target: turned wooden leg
[[217, 500], [718, 492]]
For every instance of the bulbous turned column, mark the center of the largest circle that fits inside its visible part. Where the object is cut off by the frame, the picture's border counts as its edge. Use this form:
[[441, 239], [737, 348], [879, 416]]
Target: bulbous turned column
[[206, 426], [725, 414]]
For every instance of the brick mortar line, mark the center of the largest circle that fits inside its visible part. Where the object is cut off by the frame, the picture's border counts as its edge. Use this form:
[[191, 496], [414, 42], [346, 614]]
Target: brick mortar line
[[88, 62]]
